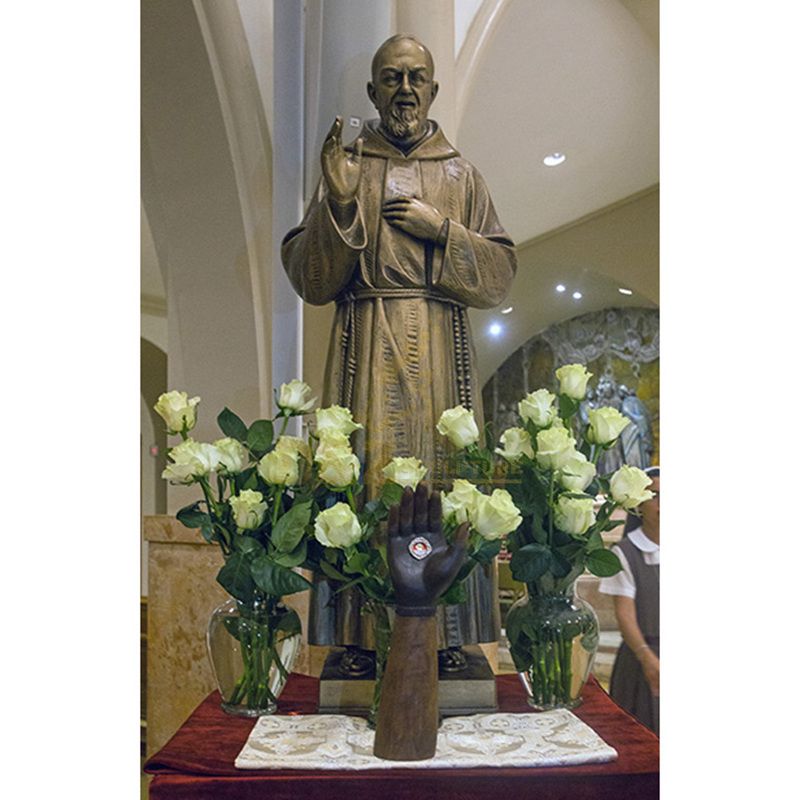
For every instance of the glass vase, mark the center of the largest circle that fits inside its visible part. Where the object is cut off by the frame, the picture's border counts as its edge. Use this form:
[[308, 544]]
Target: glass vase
[[382, 629], [553, 639], [252, 651]]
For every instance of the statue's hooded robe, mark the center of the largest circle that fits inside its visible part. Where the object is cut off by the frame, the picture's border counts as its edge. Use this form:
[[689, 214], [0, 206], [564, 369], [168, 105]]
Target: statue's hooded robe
[[401, 350]]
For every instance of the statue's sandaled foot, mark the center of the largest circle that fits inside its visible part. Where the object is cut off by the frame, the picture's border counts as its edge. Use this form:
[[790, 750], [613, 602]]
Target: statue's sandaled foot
[[356, 662], [452, 660]]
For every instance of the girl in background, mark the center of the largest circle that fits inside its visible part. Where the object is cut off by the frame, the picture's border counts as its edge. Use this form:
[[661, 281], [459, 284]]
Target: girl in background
[[634, 679]]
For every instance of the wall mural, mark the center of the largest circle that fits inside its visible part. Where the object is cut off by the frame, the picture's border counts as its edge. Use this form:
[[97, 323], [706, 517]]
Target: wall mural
[[620, 347]]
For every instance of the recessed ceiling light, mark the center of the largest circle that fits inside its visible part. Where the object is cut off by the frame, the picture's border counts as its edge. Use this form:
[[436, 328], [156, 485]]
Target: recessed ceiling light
[[507, 310], [577, 295], [554, 159], [624, 291], [495, 329], [561, 288]]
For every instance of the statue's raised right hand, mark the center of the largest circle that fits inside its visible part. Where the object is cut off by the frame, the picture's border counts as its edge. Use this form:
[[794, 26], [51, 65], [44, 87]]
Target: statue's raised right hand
[[342, 172]]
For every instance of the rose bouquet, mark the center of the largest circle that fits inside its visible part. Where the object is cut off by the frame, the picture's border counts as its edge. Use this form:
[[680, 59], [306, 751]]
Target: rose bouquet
[[261, 497], [549, 466]]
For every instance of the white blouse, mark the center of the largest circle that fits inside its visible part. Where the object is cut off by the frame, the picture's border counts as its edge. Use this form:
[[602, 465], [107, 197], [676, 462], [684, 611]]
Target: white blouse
[[623, 583]]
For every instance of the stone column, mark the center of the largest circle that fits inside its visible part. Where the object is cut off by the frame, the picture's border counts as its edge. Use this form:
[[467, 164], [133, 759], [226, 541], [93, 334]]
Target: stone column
[[434, 25]]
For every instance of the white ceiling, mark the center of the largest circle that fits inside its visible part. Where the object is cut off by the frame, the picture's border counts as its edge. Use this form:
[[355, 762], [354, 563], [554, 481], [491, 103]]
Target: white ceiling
[[580, 78]]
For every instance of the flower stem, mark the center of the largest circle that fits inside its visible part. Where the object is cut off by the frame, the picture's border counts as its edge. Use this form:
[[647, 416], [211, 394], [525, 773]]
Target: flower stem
[[276, 505]]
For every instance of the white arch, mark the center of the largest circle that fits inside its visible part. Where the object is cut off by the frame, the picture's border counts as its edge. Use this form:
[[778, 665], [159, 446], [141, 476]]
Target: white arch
[[206, 187]]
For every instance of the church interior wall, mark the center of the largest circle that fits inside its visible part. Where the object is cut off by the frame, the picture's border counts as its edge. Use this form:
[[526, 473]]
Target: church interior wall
[[227, 129]]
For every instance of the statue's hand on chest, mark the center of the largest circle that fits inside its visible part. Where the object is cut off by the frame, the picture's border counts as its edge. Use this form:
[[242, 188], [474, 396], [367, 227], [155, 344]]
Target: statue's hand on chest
[[414, 217]]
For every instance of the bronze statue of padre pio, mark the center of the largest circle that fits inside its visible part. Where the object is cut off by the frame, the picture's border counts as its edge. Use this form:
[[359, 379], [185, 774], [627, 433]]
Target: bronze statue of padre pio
[[403, 237]]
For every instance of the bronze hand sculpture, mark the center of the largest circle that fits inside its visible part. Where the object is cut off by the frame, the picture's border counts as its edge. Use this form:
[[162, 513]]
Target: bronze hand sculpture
[[422, 565]]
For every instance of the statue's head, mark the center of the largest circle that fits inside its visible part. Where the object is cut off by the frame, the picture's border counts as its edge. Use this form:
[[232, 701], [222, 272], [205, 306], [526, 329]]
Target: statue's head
[[402, 87]]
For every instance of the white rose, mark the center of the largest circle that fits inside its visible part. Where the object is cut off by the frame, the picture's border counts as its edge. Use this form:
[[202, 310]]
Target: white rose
[[336, 419], [459, 426], [332, 441], [462, 501], [178, 411], [539, 408], [233, 455], [280, 468], [605, 425], [572, 379], [574, 515], [294, 444], [191, 460], [496, 515], [405, 471], [577, 473], [299, 448], [554, 447], [516, 442], [337, 526], [249, 509], [295, 397], [338, 467], [629, 487]]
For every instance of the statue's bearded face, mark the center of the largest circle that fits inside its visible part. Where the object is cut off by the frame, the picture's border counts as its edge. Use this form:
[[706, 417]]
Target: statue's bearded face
[[402, 88]]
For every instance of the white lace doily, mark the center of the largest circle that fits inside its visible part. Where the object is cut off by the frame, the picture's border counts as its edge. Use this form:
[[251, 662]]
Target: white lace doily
[[336, 741]]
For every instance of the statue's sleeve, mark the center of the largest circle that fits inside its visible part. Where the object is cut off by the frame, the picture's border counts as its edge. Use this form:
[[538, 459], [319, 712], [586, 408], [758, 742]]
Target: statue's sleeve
[[319, 257], [477, 263]]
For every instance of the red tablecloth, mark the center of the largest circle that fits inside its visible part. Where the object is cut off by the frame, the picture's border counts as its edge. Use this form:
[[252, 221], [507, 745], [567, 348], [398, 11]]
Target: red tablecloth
[[197, 763]]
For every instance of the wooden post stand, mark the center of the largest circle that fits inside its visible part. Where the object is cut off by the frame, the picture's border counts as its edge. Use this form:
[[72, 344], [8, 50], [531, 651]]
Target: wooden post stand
[[408, 718]]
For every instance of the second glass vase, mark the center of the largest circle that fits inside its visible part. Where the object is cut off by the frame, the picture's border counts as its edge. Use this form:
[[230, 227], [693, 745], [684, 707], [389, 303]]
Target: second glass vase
[[553, 640]]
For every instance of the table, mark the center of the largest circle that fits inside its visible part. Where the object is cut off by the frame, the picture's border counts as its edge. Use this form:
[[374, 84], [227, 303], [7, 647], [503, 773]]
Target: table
[[197, 763]]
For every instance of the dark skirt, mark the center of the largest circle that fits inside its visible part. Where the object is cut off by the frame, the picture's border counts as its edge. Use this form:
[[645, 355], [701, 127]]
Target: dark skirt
[[630, 690]]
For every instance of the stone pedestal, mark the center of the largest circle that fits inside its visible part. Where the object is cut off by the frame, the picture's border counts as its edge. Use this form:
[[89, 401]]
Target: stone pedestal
[[470, 691]]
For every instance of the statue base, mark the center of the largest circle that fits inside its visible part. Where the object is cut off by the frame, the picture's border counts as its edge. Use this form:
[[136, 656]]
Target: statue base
[[469, 691]]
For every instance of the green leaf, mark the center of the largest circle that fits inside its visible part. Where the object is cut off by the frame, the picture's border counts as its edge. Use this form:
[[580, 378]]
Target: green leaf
[[455, 595], [560, 538], [293, 559], [537, 531], [247, 479], [289, 624], [560, 566], [590, 640], [235, 577], [611, 524], [331, 571], [567, 406], [391, 493], [603, 563], [529, 495], [247, 544], [595, 542], [530, 562], [358, 563], [207, 529], [276, 580], [487, 551], [231, 425], [289, 530], [192, 517], [259, 437]]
